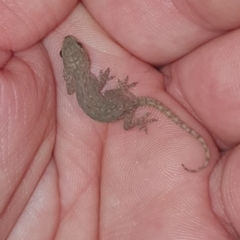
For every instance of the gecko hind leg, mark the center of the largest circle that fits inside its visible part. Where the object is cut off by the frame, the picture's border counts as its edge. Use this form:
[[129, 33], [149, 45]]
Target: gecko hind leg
[[140, 122], [124, 86]]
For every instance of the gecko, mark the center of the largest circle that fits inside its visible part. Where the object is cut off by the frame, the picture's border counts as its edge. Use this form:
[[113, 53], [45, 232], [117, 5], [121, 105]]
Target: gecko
[[114, 104]]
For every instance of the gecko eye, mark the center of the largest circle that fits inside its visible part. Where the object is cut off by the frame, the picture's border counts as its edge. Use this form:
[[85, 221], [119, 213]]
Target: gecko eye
[[79, 44], [60, 53]]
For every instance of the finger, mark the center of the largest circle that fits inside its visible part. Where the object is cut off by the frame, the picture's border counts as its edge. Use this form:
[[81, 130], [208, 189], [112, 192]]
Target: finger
[[160, 32], [27, 129], [224, 191], [25, 23], [207, 82]]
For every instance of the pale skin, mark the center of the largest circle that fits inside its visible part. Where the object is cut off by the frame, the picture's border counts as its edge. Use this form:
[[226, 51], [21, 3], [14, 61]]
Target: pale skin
[[96, 181]]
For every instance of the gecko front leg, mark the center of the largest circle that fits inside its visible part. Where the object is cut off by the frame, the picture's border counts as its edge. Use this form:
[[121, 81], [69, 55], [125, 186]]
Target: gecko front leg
[[104, 78]]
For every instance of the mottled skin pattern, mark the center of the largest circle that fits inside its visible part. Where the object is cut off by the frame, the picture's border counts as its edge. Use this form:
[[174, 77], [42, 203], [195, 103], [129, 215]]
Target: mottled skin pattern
[[112, 105]]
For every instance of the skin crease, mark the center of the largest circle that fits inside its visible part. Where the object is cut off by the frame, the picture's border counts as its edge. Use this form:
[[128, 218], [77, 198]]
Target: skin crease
[[91, 180]]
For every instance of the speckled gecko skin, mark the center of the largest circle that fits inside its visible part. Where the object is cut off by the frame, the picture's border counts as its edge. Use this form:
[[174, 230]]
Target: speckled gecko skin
[[115, 104]]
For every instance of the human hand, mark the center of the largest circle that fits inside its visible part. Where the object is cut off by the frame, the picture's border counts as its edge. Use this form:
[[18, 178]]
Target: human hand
[[103, 181]]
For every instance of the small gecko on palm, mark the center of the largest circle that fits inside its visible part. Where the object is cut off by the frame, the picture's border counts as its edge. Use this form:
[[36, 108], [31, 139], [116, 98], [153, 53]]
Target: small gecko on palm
[[115, 104]]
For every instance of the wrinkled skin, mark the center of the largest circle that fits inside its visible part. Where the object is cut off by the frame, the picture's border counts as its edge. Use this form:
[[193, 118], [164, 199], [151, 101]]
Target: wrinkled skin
[[65, 176]]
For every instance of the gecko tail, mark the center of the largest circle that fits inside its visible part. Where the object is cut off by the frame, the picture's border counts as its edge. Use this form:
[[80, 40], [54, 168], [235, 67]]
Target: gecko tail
[[177, 120], [197, 169]]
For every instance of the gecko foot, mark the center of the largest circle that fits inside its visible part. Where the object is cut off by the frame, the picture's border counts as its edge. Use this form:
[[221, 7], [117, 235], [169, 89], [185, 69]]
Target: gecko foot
[[104, 76], [124, 84], [143, 121]]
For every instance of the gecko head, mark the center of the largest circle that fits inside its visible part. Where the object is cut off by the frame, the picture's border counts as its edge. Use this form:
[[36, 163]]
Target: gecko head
[[70, 41]]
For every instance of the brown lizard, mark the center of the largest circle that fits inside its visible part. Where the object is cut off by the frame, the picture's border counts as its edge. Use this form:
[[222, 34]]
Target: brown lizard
[[115, 104]]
